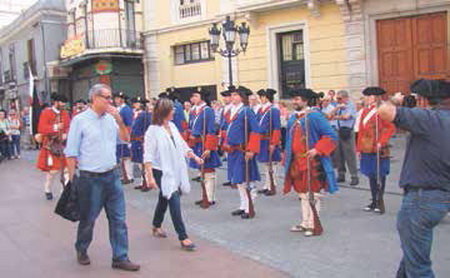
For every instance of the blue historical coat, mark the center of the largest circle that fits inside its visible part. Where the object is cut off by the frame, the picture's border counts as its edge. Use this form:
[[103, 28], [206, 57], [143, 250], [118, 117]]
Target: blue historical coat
[[202, 129], [138, 129], [236, 144], [270, 126], [126, 112], [178, 116]]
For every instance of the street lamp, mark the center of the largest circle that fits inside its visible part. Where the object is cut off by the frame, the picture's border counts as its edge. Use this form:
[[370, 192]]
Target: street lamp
[[229, 30]]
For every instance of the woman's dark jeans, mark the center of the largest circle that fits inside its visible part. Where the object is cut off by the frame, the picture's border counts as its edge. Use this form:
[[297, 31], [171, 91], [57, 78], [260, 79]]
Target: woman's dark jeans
[[174, 207]]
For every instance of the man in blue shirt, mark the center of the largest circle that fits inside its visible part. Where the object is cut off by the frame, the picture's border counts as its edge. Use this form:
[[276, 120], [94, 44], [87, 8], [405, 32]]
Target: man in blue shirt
[[91, 147], [425, 175], [344, 115]]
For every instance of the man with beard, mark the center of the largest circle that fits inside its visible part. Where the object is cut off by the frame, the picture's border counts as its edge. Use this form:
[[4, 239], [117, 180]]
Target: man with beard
[[308, 167], [53, 127]]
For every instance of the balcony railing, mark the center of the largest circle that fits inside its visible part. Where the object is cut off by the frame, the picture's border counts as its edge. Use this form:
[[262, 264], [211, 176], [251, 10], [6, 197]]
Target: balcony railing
[[190, 10], [264, 4], [110, 38]]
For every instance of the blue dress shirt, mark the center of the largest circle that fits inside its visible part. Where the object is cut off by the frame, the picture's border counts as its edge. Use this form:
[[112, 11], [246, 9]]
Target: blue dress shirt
[[92, 140]]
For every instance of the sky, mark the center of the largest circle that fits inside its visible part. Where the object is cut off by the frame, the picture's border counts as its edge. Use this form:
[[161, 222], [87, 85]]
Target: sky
[[10, 9]]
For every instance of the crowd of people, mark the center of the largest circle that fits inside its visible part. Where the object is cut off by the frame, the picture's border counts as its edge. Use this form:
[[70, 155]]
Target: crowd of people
[[100, 144], [15, 133]]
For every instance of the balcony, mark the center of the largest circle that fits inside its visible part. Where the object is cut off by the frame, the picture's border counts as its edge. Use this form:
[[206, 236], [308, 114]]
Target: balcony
[[265, 5], [113, 38], [189, 10], [102, 41]]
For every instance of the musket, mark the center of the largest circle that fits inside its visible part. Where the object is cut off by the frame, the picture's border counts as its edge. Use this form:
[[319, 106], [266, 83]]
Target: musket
[[380, 201], [251, 208], [62, 179], [205, 202], [272, 189], [317, 229]]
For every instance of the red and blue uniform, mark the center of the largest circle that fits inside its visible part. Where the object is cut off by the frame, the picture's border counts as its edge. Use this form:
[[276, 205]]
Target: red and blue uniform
[[202, 122], [138, 129], [126, 113], [178, 117], [321, 137], [236, 145], [270, 126]]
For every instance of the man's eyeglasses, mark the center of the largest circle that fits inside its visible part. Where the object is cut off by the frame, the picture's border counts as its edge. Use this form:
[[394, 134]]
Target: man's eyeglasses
[[106, 97]]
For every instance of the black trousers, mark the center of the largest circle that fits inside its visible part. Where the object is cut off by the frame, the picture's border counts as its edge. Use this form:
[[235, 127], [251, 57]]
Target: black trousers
[[174, 207]]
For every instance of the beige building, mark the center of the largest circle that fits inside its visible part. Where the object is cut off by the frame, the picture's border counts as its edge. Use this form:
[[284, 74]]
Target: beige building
[[334, 44]]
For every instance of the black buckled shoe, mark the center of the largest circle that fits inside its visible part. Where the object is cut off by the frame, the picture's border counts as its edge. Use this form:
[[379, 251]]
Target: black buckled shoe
[[340, 179], [246, 216], [354, 181], [228, 183], [49, 196], [263, 191], [237, 212]]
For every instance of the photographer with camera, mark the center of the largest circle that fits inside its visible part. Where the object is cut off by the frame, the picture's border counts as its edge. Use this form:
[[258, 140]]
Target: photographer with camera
[[425, 176]]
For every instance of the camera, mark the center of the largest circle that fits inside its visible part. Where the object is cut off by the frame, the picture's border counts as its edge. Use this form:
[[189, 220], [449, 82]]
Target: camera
[[409, 101]]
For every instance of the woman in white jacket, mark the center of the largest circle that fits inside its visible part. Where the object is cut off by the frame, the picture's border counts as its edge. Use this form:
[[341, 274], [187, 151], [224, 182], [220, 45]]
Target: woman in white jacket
[[164, 149]]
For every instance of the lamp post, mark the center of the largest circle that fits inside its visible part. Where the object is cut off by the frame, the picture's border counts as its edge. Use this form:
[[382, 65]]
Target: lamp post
[[229, 30]]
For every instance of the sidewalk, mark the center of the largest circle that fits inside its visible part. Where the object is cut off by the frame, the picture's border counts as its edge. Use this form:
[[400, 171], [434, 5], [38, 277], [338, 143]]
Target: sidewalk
[[34, 242]]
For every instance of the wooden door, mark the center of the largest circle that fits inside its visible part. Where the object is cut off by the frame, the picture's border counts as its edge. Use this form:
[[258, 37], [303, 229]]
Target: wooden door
[[430, 46], [410, 48]]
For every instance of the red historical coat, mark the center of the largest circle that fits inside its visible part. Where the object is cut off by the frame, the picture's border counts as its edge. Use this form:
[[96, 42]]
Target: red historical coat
[[48, 120], [367, 142]]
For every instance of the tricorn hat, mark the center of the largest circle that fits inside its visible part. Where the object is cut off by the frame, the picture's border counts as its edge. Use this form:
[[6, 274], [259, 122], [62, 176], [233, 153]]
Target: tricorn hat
[[243, 91], [373, 91], [303, 92], [139, 100], [204, 93], [121, 95], [58, 97], [80, 101]]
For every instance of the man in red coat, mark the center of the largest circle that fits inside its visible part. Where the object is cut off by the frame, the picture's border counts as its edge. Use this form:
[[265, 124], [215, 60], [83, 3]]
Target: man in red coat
[[53, 127]]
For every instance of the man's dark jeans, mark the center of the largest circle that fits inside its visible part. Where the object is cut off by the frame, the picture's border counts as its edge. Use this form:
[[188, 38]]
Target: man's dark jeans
[[5, 148], [421, 211], [95, 193], [174, 206]]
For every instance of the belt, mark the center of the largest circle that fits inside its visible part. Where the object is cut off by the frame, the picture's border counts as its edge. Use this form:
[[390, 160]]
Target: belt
[[418, 189], [95, 174], [237, 148]]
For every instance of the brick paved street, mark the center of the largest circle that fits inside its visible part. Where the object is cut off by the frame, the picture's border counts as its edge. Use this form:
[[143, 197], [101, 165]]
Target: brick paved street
[[355, 243]]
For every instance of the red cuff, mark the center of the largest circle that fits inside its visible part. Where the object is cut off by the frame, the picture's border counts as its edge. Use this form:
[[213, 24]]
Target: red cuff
[[254, 142], [276, 138], [184, 125], [325, 146], [211, 142]]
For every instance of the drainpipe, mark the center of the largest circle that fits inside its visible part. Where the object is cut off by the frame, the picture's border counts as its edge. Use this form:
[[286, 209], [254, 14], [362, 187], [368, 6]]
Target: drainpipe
[[45, 58]]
